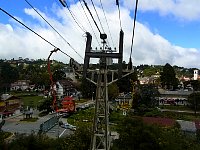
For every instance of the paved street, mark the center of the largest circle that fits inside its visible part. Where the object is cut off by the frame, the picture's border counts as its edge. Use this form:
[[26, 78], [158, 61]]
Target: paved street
[[14, 125]]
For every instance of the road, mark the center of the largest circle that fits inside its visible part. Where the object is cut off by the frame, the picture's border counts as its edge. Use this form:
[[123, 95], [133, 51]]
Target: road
[[14, 125]]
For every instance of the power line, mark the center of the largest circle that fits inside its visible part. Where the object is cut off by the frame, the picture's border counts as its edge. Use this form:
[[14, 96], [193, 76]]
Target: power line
[[64, 3], [27, 27], [53, 28], [107, 23], [89, 23], [134, 27], [117, 3], [34, 32], [98, 19], [97, 15], [91, 16]]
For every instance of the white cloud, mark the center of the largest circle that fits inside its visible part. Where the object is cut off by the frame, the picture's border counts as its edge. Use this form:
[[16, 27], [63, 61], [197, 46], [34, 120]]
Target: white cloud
[[181, 9], [148, 48]]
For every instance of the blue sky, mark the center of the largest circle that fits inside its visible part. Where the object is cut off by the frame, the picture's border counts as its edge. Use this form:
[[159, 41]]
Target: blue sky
[[167, 31], [179, 32]]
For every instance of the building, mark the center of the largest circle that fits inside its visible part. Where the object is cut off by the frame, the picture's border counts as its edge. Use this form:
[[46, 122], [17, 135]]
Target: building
[[124, 101], [70, 73], [65, 88], [196, 75], [20, 85], [9, 104], [173, 97]]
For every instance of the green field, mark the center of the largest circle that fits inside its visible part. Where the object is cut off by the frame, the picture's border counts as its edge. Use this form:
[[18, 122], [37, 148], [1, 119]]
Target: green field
[[31, 101], [82, 117]]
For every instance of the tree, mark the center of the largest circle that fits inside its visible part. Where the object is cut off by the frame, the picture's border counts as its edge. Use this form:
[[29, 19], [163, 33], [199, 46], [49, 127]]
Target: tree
[[148, 72], [124, 84], [195, 84], [194, 101], [31, 142], [58, 75], [134, 134], [113, 91], [168, 77], [79, 140], [145, 95], [87, 88], [8, 75], [46, 105]]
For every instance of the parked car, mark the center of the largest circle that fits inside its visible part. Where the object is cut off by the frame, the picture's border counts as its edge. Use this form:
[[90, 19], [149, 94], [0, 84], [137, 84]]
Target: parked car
[[68, 126]]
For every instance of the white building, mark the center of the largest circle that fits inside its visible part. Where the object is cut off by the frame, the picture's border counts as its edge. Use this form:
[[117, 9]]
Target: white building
[[196, 74]]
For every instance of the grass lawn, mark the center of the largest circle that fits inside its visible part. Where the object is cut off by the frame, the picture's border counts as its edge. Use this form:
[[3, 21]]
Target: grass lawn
[[81, 101], [180, 116], [116, 116], [82, 117], [4, 135], [32, 101], [28, 98], [85, 117]]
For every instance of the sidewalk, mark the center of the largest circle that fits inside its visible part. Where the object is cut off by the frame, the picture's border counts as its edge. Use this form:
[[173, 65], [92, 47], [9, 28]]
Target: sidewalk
[[179, 111]]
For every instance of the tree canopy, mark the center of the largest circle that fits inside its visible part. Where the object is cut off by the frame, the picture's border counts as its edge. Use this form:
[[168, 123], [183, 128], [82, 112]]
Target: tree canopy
[[124, 84], [194, 100], [8, 74], [134, 134], [168, 77]]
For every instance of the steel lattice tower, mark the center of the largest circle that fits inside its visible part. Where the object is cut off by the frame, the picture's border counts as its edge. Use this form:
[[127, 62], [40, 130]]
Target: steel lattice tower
[[101, 133]]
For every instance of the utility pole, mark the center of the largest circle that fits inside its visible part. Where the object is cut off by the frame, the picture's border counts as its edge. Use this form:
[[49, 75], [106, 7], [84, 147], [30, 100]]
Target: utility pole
[[100, 133]]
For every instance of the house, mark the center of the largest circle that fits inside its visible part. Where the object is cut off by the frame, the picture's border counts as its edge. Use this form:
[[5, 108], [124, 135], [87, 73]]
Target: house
[[148, 80], [20, 85], [173, 97], [188, 127], [65, 88], [70, 73], [9, 104], [144, 80], [124, 101]]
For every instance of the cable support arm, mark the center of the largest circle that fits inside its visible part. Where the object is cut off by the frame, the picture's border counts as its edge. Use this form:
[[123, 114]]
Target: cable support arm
[[120, 78]]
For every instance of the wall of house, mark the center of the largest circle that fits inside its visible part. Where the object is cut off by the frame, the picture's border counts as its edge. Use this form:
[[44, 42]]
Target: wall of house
[[172, 101]]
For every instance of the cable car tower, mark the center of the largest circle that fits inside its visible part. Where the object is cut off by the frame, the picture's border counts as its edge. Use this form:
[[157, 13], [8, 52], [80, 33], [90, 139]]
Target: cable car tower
[[101, 134]]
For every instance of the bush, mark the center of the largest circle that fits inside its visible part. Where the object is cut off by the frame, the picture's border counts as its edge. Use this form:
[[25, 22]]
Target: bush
[[198, 135], [153, 113]]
